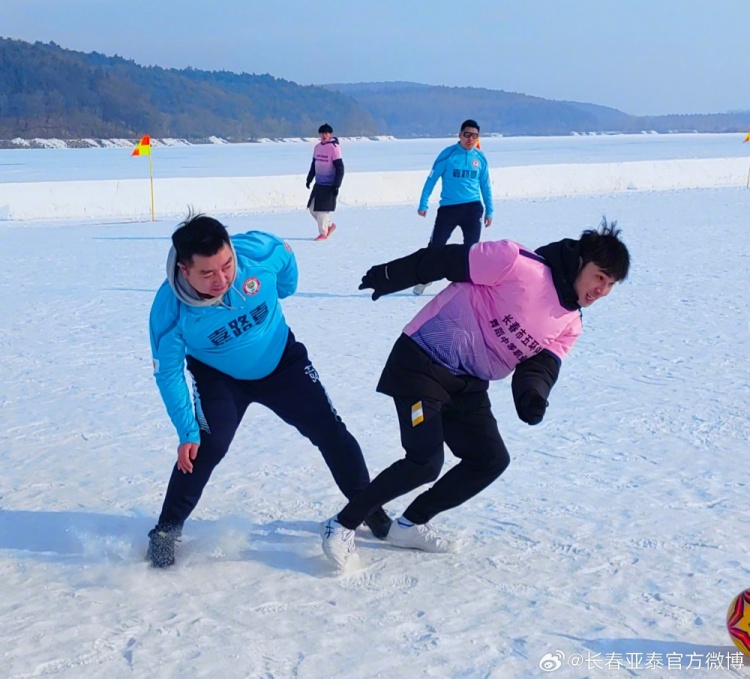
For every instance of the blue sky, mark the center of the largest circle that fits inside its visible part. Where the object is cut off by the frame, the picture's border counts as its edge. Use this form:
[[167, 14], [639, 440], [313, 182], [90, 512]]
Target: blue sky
[[640, 56]]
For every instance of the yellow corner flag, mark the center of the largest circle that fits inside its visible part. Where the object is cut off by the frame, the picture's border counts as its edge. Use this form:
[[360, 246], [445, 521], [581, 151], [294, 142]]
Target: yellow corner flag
[[143, 147], [746, 138]]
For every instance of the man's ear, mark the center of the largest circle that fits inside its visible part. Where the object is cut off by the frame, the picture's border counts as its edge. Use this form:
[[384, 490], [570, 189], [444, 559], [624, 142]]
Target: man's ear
[[183, 269]]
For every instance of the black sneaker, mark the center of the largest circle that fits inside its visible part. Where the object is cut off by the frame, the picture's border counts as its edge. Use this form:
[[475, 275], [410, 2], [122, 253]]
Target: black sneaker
[[379, 523], [161, 545]]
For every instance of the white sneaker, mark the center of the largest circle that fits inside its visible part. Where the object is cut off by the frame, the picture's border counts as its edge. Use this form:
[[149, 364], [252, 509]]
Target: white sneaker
[[338, 543], [420, 288], [418, 536]]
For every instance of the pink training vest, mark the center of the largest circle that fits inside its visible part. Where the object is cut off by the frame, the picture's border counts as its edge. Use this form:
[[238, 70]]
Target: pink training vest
[[507, 313], [324, 154]]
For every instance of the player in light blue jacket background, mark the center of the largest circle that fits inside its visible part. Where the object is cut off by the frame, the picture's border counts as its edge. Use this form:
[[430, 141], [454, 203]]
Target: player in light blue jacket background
[[219, 312], [465, 182]]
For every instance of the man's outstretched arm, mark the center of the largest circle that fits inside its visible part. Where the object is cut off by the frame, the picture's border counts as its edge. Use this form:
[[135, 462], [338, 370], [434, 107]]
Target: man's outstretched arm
[[423, 266]]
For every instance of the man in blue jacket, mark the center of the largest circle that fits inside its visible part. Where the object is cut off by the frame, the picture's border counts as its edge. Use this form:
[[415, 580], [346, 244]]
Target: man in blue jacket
[[219, 310], [465, 177]]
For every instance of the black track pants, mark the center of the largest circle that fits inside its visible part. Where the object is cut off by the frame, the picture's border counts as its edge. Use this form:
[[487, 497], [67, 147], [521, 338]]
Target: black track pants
[[293, 391]]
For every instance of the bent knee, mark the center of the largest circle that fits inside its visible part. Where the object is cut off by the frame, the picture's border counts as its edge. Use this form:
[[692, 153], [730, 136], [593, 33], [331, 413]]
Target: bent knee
[[492, 463], [498, 462], [425, 471], [213, 449]]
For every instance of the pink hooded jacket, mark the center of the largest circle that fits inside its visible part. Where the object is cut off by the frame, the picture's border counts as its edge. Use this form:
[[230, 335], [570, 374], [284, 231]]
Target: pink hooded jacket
[[509, 312]]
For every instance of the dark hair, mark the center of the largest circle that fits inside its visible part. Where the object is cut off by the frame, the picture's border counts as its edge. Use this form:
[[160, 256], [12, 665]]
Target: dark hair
[[198, 235], [325, 127], [469, 123], [604, 247]]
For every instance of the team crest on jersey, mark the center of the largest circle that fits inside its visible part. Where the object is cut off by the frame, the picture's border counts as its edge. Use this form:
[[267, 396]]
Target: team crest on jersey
[[251, 286], [475, 162]]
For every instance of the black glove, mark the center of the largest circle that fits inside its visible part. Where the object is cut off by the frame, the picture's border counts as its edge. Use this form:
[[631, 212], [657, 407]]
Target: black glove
[[377, 279], [335, 191], [307, 185], [531, 407]]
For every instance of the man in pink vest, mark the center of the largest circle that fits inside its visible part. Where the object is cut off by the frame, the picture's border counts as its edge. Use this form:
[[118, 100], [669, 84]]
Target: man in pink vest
[[509, 310], [327, 168]]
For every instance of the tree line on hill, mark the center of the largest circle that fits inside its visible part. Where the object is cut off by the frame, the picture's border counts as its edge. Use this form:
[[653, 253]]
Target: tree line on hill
[[49, 92], [412, 109]]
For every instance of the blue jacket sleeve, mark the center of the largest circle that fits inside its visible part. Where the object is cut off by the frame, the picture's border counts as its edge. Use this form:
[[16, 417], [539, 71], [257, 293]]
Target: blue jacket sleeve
[[168, 352], [485, 187], [287, 275], [438, 168]]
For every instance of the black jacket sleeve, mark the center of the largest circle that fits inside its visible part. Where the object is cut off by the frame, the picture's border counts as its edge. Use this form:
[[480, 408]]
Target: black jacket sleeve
[[533, 380], [338, 165], [423, 266], [310, 174]]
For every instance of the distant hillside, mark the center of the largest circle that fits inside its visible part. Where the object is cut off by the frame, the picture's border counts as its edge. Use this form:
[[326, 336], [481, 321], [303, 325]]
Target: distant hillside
[[47, 91], [50, 92], [408, 109], [415, 110]]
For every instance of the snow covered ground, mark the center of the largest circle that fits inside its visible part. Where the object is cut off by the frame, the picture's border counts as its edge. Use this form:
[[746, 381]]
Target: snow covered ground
[[612, 545], [49, 184]]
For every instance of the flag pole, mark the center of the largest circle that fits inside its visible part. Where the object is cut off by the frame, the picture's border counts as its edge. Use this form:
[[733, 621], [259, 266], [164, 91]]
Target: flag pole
[[143, 148], [151, 171]]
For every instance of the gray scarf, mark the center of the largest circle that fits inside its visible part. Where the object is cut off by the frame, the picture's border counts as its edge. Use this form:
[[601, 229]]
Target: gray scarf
[[184, 291]]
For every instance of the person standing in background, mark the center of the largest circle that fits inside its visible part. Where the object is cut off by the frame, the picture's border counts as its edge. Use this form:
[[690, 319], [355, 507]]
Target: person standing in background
[[465, 176], [327, 169]]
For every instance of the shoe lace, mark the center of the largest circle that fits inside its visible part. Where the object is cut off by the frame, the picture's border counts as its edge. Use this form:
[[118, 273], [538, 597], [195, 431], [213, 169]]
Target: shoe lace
[[430, 533], [347, 537]]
